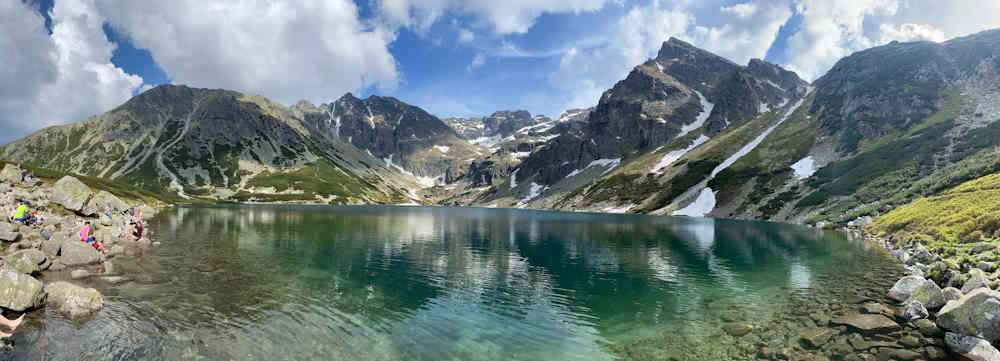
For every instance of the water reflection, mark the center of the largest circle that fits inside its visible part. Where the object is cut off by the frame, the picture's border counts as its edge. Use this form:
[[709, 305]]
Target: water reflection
[[386, 283]]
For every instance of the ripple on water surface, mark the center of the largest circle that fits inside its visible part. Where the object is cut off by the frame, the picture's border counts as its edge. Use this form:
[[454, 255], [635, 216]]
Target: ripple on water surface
[[392, 283]]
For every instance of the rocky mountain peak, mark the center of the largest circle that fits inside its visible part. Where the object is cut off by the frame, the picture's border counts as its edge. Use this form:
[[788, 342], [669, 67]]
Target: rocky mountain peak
[[678, 50]]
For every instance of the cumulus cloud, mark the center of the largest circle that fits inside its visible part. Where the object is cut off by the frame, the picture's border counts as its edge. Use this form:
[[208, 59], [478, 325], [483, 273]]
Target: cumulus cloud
[[477, 61], [501, 17], [744, 10], [747, 31], [909, 32], [831, 30], [58, 78], [309, 49]]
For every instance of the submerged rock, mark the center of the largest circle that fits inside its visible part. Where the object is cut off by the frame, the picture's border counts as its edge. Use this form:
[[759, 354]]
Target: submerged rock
[[971, 347], [28, 261], [977, 313], [867, 323], [817, 337], [19, 292], [737, 329], [71, 193], [72, 300], [903, 288]]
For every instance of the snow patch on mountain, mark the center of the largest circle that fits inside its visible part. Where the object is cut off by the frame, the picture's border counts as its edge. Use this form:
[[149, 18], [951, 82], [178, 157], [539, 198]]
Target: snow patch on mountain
[[701, 206], [706, 111], [674, 155], [804, 168], [609, 164]]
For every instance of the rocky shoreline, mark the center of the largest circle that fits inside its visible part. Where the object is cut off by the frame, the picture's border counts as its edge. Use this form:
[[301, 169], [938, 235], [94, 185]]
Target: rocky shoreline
[[40, 262], [938, 293]]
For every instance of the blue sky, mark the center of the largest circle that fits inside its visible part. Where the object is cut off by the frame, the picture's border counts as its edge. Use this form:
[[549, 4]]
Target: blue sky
[[75, 58]]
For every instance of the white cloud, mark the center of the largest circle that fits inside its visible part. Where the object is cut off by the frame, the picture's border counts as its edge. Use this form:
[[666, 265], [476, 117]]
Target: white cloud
[[746, 32], [909, 32], [57, 78], [310, 49], [831, 30], [477, 61], [744, 10], [502, 17], [465, 36]]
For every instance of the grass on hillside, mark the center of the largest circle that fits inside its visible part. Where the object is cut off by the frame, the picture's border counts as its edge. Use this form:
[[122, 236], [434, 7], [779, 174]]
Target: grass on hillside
[[119, 189], [951, 221]]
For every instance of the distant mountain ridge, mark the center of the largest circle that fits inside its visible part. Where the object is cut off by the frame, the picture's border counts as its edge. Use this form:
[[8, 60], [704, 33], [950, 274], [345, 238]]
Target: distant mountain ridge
[[687, 132]]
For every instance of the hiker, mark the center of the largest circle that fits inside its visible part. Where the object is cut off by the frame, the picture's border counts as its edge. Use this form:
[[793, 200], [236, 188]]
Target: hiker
[[21, 213], [36, 218], [88, 238], [137, 231], [11, 324]]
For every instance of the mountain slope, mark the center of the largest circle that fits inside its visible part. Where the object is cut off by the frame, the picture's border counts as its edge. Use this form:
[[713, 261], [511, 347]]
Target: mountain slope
[[685, 133], [677, 101], [224, 145]]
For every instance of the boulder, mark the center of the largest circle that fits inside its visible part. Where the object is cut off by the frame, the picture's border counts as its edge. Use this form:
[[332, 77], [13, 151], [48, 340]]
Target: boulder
[[20, 292], [51, 247], [109, 268], [921, 254], [103, 200], [72, 300], [11, 173], [903, 288], [927, 328], [951, 294], [982, 247], [977, 279], [867, 323], [78, 274], [971, 347], [976, 313], [928, 294], [8, 232], [71, 193], [914, 310], [28, 261], [76, 253]]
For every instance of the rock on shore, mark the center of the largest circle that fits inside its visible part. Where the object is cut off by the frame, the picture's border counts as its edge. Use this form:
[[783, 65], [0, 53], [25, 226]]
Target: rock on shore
[[72, 300], [977, 313], [20, 292]]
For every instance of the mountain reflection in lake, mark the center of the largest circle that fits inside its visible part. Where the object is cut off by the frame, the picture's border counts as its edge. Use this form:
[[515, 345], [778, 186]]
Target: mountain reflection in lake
[[414, 283]]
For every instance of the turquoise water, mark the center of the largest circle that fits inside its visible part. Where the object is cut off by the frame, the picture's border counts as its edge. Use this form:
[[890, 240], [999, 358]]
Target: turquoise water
[[413, 283]]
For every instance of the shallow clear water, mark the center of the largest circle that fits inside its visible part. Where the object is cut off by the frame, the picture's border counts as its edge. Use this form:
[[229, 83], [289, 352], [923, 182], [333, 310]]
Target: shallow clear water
[[411, 283]]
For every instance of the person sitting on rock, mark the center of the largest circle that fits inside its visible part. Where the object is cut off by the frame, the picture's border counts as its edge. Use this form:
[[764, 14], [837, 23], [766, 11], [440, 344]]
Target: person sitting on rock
[[87, 237], [36, 218], [11, 324], [21, 213], [137, 231]]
